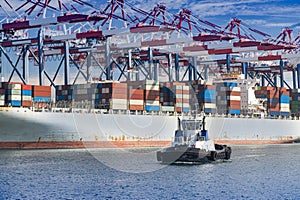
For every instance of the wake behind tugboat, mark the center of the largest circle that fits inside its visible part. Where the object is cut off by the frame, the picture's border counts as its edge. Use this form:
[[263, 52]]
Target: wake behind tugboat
[[191, 145]]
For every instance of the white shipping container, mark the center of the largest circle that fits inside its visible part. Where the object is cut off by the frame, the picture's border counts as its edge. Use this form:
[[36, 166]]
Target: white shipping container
[[182, 105], [285, 109], [234, 98], [235, 89], [105, 90], [152, 103], [119, 101], [136, 102], [14, 97], [182, 96], [14, 86], [15, 92], [284, 105], [209, 105], [26, 98], [151, 87], [151, 82], [118, 106], [167, 108]]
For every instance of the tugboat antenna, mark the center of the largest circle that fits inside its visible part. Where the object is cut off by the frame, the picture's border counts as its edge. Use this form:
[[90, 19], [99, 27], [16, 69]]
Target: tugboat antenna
[[203, 123]]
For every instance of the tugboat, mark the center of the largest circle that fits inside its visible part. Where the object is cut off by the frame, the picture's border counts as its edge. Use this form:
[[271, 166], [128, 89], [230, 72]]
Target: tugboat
[[191, 144]]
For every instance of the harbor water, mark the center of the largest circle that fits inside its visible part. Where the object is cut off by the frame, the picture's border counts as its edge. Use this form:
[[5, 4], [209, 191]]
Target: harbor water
[[254, 172]]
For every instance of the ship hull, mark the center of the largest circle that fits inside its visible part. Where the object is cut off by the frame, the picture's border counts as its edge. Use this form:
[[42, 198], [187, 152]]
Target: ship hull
[[21, 128]]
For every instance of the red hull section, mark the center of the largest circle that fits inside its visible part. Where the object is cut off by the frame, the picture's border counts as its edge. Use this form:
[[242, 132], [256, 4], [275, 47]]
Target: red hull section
[[123, 144], [79, 145]]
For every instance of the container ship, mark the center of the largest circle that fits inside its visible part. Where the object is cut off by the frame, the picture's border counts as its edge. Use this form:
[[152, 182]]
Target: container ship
[[143, 113]]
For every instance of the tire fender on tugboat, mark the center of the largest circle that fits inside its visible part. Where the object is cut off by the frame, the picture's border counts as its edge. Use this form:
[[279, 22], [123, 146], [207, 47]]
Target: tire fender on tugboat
[[213, 155]]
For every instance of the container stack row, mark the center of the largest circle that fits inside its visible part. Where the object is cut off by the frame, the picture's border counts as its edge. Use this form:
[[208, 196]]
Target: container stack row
[[182, 98], [26, 95], [174, 96], [151, 95], [136, 96], [228, 98], [64, 92], [2, 97], [206, 97], [166, 97], [278, 102], [16, 94], [284, 100], [13, 94], [295, 102]]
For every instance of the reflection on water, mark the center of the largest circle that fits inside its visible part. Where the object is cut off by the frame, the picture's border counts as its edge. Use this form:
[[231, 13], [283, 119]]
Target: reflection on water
[[254, 172]]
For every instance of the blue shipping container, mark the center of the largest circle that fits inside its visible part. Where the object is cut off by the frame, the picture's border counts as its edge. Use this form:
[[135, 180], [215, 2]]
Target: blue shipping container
[[99, 85], [41, 99], [284, 99], [274, 113], [152, 108], [27, 92], [210, 110], [14, 102], [235, 112], [285, 114], [185, 109], [230, 84]]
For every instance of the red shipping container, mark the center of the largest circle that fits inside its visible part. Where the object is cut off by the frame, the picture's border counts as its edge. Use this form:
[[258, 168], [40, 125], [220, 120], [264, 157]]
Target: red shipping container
[[26, 87], [26, 103]]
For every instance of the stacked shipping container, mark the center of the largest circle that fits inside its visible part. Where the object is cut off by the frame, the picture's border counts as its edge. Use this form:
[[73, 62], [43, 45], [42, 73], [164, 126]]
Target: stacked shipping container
[[206, 96], [182, 98], [294, 102], [166, 97], [64, 92], [228, 98], [284, 100], [13, 94], [135, 95], [277, 99], [41, 95], [26, 95], [112, 95], [151, 95], [2, 97]]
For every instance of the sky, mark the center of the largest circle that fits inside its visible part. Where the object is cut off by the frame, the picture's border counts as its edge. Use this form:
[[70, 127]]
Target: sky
[[269, 16]]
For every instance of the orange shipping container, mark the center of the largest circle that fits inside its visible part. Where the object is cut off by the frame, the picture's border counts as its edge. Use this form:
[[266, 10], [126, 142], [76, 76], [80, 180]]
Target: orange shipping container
[[41, 93], [136, 107], [26, 103], [41, 88], [119, 96]]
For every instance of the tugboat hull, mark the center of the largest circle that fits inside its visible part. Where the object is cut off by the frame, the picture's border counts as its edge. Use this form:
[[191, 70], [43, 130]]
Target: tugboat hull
[[188, 154]]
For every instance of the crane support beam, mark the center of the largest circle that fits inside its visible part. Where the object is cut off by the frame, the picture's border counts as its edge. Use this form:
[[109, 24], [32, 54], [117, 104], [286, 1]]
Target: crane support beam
[[298, 75], [176, 67], [281, 73]]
